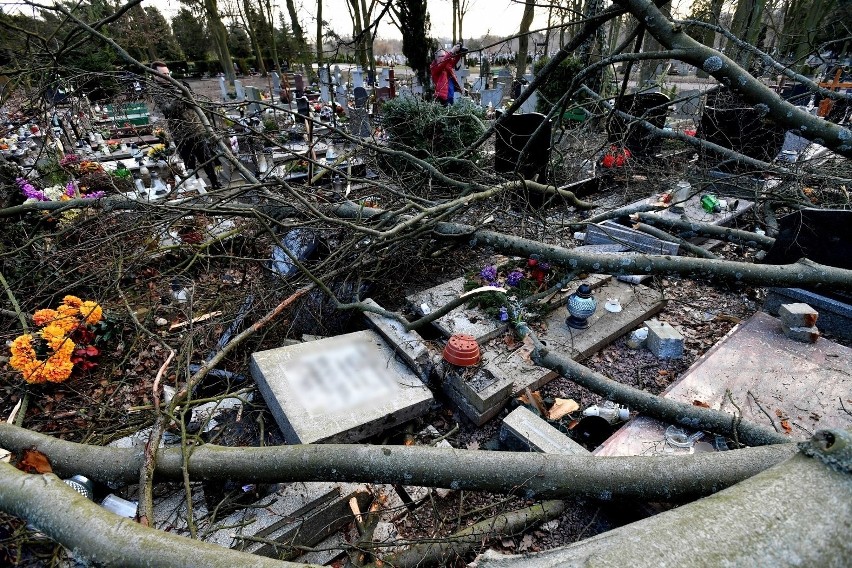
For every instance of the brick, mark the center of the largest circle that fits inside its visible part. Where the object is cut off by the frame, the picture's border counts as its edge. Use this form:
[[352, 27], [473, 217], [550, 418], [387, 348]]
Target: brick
[[803, 334], [798, 315], [664, 341]]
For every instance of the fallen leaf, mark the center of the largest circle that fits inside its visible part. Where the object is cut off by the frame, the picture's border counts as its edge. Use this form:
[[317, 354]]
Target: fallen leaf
[[526, 543], [697, 402], [507, 543], [561, 407], [532, 399], [786, 425], [779, 413], [33, 461], [509, 340], [474, 445], [663, 372]]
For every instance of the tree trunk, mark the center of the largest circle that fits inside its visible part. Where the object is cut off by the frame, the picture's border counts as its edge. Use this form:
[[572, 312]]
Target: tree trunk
[[319, 34], [272, 42], [255, 44], [797, 513], [220, 39], [653, 478], [524, 39]]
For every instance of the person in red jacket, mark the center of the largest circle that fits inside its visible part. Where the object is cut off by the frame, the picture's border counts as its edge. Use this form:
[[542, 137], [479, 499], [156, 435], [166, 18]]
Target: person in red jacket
[[443, 71]]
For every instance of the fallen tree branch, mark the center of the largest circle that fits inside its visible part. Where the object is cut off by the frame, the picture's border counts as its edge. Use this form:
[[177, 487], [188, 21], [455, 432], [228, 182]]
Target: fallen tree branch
[[461, 542], [104, 538], [690, 229], [797, 513], [654, 478], [666, 409]]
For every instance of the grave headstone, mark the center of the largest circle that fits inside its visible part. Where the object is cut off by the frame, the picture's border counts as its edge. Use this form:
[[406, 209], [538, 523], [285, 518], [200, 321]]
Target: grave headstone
[[689, 105], [341, 98], [524, 430], [531, 103], [650, 107], [276, 85], [241, 94], [301, 243], [478, 85], [325, 81], [361, 97], [253, 96], [300, 85], [302, 106], [338, 389], [358, 78], [223, 89], [492, 97], [610, 232], [417, 87], [384, 78], [731, 122], [527, 134]]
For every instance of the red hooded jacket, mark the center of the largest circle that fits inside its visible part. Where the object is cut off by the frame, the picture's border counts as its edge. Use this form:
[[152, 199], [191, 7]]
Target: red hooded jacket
[[443, 70]]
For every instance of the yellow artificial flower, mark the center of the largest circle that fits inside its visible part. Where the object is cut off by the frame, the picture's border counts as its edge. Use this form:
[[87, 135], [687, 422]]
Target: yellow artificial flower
[[73, 301], [55, 335]]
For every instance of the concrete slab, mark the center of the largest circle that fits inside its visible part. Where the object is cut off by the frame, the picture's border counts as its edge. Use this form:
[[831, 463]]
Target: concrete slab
[[299, 514], [802, 382], [338, 389], [525, 430], [638, 304], [471, 321]]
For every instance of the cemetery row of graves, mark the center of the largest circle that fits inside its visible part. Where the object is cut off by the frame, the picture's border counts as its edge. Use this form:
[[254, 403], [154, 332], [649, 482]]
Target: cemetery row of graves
[[353, 281]]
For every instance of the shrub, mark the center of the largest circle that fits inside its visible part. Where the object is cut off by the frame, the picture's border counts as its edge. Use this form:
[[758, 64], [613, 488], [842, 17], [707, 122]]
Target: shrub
[[557, 83], [431, 131]]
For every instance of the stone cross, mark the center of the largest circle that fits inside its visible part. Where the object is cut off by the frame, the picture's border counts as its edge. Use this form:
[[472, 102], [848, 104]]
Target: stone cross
[[825, 105]]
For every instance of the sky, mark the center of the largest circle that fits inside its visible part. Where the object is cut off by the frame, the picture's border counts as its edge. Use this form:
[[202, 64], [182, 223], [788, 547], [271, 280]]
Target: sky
[[499, 17]]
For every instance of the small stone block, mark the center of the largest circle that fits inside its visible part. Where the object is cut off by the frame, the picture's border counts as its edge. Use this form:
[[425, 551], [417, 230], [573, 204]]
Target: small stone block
[[803, 334], [798, 315], [664, 341], [482, 388], [522, 428]]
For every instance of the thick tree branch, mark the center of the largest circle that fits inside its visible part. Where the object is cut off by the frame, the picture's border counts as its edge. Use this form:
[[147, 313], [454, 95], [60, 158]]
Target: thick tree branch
[[656, 478]]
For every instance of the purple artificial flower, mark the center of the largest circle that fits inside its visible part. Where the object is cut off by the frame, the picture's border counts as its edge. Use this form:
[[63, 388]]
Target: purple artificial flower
[[544, 266], [489, 273], [70, 190], [29, 191], [514, 277], [95, 195], [504, 313]]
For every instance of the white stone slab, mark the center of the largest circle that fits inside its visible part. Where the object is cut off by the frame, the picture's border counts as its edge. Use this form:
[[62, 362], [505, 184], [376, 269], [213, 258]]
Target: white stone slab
[[338, 389]]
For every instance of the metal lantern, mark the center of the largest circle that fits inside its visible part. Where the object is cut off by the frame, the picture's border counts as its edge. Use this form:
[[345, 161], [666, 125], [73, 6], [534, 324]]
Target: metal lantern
[[581, 306]]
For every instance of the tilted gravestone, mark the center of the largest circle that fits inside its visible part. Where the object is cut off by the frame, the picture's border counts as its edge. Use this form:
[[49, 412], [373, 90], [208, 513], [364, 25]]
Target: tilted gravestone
[[241, 94], [522, 144]]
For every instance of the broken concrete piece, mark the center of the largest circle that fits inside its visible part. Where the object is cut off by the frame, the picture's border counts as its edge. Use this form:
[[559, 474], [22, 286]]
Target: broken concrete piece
[[523, 429], [664, 341], [338, 389], [407, 344], [471, 321], [803, 334], [798, 315], [835, 316], [298, 514]]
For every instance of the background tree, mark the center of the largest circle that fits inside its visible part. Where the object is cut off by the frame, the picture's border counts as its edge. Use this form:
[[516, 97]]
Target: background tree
[[191, 34], [411, 17], [524, 39]]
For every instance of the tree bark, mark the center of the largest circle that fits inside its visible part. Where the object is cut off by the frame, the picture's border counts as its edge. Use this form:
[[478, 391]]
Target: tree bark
[[797, 513], [220, 39], [656, 478], [104, 538], [524, 39]]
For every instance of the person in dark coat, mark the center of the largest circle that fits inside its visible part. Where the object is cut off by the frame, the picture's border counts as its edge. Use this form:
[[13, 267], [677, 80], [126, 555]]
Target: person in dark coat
[[191, 139]]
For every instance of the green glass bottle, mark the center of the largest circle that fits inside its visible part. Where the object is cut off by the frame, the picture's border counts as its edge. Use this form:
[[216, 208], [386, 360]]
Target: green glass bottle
[[710, 204]]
